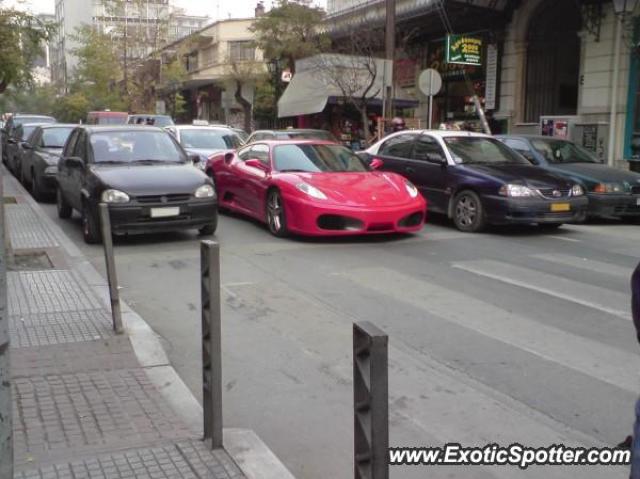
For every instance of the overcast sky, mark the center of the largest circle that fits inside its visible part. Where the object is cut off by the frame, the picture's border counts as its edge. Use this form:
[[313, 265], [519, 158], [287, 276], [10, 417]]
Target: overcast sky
[[212, 8]]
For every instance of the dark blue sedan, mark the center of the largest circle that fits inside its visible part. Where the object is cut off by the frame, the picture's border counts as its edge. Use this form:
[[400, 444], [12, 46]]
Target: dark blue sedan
[[476, 180], [612, 193]]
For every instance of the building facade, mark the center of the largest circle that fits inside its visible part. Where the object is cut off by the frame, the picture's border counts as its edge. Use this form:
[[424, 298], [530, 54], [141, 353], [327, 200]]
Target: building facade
[[560, 67], [152, 23]]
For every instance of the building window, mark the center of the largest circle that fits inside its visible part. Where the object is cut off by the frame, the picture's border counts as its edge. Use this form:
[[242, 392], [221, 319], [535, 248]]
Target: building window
[[210, 55], [242, 51]]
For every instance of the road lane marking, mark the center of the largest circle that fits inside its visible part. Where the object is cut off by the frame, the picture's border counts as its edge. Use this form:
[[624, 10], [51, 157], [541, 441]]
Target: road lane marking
[[594, 297], [600, 361], [586, 264], [573, 240]]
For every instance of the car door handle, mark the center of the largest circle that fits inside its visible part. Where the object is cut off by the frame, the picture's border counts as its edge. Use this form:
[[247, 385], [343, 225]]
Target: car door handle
[[408, 169]]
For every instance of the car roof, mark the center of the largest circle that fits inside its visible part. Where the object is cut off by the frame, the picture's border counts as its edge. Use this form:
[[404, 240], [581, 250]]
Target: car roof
[[534, 137], [148, 115], [48, 126], [201, 127], [114, 128], [306, 141], [34, 115]]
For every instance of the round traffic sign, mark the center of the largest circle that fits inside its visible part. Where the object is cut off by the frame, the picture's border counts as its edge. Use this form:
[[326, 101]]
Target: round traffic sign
[[430, 82]]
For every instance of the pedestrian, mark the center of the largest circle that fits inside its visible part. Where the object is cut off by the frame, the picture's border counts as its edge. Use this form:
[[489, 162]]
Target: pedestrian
[[398, 124], [635, 314]]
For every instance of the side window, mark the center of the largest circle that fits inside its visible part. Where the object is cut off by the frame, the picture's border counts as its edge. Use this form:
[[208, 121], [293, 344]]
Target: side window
[[260, 152], [80, 149], [522, 148], [399, 146], [245, 154], [257, 137], [427, 146], [71, 144]]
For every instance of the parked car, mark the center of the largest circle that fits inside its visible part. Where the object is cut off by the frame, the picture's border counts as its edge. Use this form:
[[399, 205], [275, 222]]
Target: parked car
[[612, 193], [202, 142], [144, 176], [16, 146], [313, 187], [107, 117], [291, 134], [14, 121], [476, 180], [154, 120], [39, 164]]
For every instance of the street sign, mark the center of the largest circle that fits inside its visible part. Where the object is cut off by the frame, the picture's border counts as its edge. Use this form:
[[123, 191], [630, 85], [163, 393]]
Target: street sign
[[430, 82], [464, 50]]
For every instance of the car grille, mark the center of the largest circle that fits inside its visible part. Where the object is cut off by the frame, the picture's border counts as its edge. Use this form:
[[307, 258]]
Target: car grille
[[635, 190], [175, 198], [548, 193]]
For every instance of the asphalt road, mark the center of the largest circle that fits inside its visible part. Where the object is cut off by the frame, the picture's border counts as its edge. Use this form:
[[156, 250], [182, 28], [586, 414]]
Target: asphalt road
[[514, 335]]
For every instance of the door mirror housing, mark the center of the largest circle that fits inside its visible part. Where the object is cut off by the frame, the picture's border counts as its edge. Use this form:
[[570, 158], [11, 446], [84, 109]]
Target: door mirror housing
[[194, 159], [255, 163], [529, 157], [73, 162], [376, 164], [437, 159], [26, 145], [228, 157]]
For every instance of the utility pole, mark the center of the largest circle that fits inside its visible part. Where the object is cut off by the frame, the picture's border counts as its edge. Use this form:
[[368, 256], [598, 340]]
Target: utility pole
[[390, 53], [6, 427]]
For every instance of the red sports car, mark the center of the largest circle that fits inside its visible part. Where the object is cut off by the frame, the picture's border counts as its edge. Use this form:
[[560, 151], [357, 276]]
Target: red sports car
[[315, 187]]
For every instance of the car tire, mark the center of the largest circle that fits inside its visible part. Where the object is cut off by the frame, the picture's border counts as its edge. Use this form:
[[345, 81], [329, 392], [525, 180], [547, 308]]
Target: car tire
[[209, 229], [21, 178], [549, 226], [276, 215], [90, 226], [64, 208], [36, 191], [468, 212]]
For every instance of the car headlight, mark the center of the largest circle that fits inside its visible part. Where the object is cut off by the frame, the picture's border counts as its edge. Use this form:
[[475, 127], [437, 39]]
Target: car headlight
[[114, 196], [516, 191], [577, 190], [51, 170], [605, 188], [411, 189], [311, 191], [205, 191]]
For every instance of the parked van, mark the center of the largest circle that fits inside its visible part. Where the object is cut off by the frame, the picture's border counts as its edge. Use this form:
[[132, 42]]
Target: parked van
[[107, 117]]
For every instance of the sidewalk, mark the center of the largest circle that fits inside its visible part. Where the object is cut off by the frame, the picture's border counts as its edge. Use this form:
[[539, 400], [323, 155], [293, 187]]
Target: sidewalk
[[89, 403]]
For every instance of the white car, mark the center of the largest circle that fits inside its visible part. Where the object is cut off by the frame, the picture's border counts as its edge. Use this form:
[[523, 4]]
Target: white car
[[202, 141]]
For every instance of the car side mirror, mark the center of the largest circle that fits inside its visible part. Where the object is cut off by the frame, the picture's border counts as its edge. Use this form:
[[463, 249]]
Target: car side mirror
[[376, 164], [194, 159], [254, 163], [26, 145], [529, 157], [13, 141], [437, 159], [228, 157], [73, 162]]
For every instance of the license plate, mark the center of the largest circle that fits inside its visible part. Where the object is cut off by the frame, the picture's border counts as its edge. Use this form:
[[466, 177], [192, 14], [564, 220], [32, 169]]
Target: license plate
[[560, 207], [165, 212]]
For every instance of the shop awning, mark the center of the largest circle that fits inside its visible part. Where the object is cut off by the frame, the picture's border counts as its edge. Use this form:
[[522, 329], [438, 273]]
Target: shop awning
[[304, 96]]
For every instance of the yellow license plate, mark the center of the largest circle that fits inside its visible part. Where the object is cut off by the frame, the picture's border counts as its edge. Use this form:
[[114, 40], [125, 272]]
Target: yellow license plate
[[560, 207]]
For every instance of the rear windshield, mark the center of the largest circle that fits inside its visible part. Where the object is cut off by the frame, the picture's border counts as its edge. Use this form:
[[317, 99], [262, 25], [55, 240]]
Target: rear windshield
[[305, 135], [160, 121], [135, 147], [210, 139], [562, 151], [55, 137]]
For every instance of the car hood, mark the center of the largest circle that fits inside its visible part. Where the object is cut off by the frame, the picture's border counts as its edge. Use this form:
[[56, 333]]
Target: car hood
[[140, 180], [522, 174], [362, 189], [203, 152], [597, 173]]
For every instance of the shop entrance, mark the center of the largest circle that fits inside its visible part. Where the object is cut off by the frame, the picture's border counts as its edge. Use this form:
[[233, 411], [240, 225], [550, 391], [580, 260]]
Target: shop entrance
[[553, 60]]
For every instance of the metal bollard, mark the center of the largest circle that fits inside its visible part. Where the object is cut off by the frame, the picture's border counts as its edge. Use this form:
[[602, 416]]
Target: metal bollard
[[211, 342], [112, 278], [370, 402]]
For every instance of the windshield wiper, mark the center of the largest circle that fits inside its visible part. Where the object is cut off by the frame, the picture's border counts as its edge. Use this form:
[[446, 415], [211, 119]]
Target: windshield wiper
[[294, 170]]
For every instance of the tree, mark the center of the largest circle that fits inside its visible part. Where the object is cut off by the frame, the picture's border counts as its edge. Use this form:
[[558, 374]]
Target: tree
[[21, 37], [241, 74], [355, 71], [290, 31], [37, 99], [72, 108], [172, 75]]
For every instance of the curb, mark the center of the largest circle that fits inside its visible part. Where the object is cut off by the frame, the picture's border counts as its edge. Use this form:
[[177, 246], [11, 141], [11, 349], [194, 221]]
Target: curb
[[247, 450]]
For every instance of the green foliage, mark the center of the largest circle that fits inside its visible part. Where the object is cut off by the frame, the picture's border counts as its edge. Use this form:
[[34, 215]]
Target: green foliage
[[72, 108], [173, 75], [37, 99], [291, 31], [21, 37]]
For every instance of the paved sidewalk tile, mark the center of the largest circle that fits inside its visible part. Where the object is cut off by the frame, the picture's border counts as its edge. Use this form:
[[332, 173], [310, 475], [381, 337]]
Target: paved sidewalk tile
[[52, 291], [42, 329], [65, 415], [164, 462], [26, 230]]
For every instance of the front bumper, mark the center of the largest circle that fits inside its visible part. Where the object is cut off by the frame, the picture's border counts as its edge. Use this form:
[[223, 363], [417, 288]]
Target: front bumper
[[614, 206], [136, 218], [309, 218], [504, 210]]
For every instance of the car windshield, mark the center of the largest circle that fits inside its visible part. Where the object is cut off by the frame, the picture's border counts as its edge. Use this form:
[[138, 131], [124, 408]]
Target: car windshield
[[305, 135], [562, 151], [135, 147], [481, 150], [55, 137], [210, 139], [316, 158]]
